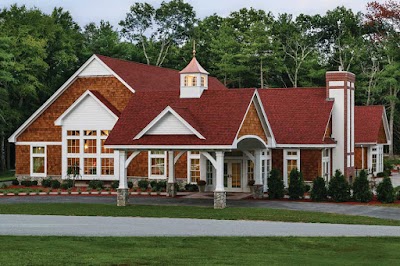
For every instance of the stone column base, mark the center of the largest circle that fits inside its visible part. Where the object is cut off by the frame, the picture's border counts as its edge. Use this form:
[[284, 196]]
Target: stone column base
[[172, 189], [258, 192], [219, 200], [122, 196]]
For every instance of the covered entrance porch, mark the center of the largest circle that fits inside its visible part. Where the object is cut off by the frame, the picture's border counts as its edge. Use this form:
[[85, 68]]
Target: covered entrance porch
[[223, 169]]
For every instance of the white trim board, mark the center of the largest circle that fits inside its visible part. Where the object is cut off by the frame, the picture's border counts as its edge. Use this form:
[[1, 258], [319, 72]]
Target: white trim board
[[54, 97], [159, 117]]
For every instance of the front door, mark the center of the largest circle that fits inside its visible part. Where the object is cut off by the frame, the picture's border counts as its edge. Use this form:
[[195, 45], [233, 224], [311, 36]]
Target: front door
[[233, 175]]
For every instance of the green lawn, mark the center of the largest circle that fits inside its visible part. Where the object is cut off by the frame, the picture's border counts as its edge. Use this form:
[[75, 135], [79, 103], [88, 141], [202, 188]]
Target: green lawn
[[7, 176], [78, 209], [22, 250]]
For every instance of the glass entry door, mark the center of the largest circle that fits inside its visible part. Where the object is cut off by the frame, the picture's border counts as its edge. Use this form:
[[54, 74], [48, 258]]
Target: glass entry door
[[233, 175]]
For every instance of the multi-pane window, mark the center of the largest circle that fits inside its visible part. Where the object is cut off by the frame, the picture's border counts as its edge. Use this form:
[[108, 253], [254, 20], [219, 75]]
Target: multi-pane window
[[326, 169], [73, 145], [250, 170], [374, 160], [291, 164], [209, 173], [107, 166], [195, 170], [157, 164], [194, 81], [38, 161], [203, 81], [87, 155], [90, 166], [291, 161]]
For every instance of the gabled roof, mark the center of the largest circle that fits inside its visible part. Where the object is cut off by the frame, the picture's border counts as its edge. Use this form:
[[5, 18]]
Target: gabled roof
[[188, 128], [99, 99], [144, 77], [367, 123], [216, 114], [194, 67], [297, 115]]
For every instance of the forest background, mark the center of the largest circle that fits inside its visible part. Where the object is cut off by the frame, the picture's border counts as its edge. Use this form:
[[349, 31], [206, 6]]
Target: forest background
[[249, 48]]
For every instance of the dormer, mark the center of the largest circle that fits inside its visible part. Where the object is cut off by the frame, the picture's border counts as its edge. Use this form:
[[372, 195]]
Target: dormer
[[194, 80]]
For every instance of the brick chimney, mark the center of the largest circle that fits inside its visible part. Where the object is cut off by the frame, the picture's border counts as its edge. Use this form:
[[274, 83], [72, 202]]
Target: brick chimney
[[340, 87]]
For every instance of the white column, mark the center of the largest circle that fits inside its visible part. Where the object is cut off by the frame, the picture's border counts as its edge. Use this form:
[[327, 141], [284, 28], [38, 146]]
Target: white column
[[203, 167], [257, 168], [219, 172], [171, 167], [122, 170]]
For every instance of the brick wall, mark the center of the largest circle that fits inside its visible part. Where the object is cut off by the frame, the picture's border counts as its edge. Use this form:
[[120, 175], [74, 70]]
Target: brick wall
[[311, 164], [252, 125]]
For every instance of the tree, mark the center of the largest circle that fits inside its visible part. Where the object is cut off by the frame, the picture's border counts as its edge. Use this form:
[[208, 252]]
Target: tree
[[385, 192], [275, 185], [296, 184], [172, 24], [361, 190], [319, 191], [339, 189]]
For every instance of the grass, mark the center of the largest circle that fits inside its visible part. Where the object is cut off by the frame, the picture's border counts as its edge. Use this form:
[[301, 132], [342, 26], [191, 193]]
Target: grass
[[22, 250], [234, 213], [7, 176]]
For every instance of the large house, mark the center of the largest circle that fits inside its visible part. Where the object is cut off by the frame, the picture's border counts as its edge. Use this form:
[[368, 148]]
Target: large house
[[121, 120]]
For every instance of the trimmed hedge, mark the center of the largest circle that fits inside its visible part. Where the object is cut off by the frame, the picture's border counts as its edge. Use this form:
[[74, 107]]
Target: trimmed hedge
[[275, 185]]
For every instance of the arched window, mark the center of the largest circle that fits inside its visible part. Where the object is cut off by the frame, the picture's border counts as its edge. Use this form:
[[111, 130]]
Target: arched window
[[203, 81], [194, 81], [186, 81]]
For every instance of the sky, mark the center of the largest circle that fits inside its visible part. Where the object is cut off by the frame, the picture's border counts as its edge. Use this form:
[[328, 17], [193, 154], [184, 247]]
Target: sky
[[86, 11]]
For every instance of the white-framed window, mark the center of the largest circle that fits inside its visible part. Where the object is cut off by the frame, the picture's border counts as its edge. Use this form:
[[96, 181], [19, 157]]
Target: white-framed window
[[190, 81], [250, 170], [193, 171], [38, 161], [291, 160], [209, 172], [157, 164], [326, 164], [376, 159], [265, 166], [86, 155]]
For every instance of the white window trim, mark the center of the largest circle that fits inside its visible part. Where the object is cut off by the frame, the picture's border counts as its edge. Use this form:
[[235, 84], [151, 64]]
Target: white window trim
[[266, 157], [163, 156], [289, 157], [379, 158], [43, 155], [191, 156], [326, 159], [82, 155]]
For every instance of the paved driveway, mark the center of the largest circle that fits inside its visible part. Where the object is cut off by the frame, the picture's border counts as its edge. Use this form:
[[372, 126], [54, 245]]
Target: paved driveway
[[363, 210], [129, 226]]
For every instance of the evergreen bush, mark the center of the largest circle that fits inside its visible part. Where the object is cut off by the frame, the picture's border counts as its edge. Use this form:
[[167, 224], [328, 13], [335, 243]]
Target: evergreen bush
[[96, 184], [339, 188], [46, 182], [385, 192], [296, 184], [130, 184], [361, 189], [15, 182], [115, 184], [143, 184], [55, 183], [275, 185], [319, 191]]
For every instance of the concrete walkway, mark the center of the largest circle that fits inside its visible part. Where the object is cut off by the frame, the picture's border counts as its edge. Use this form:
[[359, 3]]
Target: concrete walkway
[[128, 226], [363, 210]]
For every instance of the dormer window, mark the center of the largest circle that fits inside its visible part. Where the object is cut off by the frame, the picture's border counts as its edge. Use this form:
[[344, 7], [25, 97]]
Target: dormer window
[[194, 81]]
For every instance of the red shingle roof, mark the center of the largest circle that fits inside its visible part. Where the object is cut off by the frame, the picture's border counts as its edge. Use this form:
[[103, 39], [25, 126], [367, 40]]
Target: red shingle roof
[[142, 77], [109, 105], [367, 121], [297, 115], [217, 115]]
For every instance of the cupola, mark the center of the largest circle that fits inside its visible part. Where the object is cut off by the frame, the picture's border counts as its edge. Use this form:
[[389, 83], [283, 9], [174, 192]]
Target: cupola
[[194, 79]]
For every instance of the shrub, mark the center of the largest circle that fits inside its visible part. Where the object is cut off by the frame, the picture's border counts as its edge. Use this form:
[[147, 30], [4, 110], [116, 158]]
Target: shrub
[[385, 191], [161, 185], [361, 189], [34, 183], [26, 183], [143, 184], [251, 182], [191, 187], [153, 184], [66, 184], [319, 191], [275, 185], [46, 182], [397, 192], [15, 182], [307, 188], [296, 185], [95, 184], [115, 184], [55, 184], [380, 174], [339, 188], [130, 184]]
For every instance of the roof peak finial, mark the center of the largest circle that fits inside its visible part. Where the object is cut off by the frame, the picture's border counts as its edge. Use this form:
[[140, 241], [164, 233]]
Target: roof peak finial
[[194, 48]]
